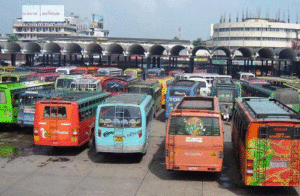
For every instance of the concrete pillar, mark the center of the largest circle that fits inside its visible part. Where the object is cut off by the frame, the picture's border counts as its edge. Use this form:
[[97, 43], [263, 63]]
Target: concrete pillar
[[70, 58], [148, 62], [158, 62], [142, 66], [173, 63], [13, 59], [136, 62], [82, 59], [109, 61], [65, 60], [191, 69], [59, 59], [51, 59], [92, 58], [169, 61], [43, 59], [76, 62], [47, 59]]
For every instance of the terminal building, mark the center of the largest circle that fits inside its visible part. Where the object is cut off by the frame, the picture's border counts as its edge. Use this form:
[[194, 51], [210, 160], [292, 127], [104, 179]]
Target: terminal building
[[49, 21], [254, 33]]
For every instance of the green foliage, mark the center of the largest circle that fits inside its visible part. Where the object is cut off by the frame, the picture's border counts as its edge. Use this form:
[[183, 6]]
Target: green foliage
[[176, 38], [12, 38], [198, 42]]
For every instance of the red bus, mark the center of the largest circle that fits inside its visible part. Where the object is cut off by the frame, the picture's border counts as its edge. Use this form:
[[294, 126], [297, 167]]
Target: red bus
[[86, 70], [266, 142], [67, 120], [194, 136]]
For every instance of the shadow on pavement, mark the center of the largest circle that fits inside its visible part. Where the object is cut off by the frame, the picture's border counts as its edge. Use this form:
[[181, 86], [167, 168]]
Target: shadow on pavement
[[114, 158]]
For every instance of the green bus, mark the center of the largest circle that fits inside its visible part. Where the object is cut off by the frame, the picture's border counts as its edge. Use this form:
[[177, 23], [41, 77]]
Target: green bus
[[152, 88], [14, 77], [63, 82], [10, 94]]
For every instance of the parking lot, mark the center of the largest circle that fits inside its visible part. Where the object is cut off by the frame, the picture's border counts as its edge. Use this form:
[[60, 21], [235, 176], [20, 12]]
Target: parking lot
[[38, 170]]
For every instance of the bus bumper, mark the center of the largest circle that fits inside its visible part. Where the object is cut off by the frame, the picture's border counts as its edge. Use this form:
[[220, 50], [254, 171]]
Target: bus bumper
[[120, 149]]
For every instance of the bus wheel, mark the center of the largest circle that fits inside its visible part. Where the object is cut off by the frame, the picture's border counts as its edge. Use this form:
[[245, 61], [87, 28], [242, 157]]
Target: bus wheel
[[91, 141]]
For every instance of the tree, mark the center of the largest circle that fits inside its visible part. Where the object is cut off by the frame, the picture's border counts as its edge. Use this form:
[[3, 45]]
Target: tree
[[198, 42], [176, 38], [12, 38]]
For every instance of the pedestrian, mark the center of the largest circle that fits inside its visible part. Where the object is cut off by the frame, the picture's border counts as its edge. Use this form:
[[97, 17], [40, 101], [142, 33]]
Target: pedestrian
[[226, 114]]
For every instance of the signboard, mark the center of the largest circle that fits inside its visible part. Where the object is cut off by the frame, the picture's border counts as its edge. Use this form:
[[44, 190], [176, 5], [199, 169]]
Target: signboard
[[47, 13]]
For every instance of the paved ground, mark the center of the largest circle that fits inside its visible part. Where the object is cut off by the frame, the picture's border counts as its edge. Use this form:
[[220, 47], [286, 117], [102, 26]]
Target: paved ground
[[79, 171]]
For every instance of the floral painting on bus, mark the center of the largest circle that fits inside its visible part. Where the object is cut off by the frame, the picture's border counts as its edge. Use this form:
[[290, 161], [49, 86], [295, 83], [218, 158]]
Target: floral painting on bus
[[274, 162]]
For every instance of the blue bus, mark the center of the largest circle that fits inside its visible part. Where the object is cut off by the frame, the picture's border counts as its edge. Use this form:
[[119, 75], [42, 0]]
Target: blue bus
[[155, 73], [124, 124], [177, 90], [27, 101]]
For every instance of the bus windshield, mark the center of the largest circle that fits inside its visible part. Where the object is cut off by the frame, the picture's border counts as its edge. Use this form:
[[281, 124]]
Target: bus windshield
[[120, 116], [9, 79], [152, 74], [64, 83], [226, 95], [131, 73], [195, 126], [114, 87], [139, 90], [176, 92], [65, 72], [2, 97], [29, 100]]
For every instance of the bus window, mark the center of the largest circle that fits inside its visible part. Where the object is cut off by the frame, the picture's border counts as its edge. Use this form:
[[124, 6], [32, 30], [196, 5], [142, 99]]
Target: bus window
[[2, 97], [117, 116], [55, 112], [194, 126]]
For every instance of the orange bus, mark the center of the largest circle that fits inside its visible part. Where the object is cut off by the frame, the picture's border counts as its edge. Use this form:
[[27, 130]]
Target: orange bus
[[67, 120], [266, 142], [194, 136]]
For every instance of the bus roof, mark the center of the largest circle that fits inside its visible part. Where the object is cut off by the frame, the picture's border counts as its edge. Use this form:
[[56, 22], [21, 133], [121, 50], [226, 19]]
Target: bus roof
[[196, 103], [75, 96], [127, 98], [183, 83], [270, 109], [145, 83]]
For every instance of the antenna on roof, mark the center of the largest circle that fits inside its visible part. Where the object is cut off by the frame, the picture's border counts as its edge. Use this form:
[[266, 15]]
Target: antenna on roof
[[243, 15], [283, 17], [224, 19], [229, 17], [247, 12], [278, 14], [237, 16], [297, 18], [267, 13], [221, 18]]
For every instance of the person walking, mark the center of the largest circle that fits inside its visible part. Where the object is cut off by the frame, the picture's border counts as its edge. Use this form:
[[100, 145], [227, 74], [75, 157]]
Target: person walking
[[226, 114]]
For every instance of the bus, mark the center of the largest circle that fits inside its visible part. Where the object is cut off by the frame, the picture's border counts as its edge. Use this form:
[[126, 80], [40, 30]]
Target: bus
[[124, 124], [43, 69], [86, 84], [8, 68], [67, 119], [63, 82], [255, 88], [165, 82], [115, 86], [246, 76], [152, 88], [265, 139], [44, 77], [194, 136], [178, 89], [14, 77], [27, 101], [155, 73], [226, 91], [86, 70], [175, 71], [10, 94], [134, 72], [207, 76], [109, 71], [68, 70]]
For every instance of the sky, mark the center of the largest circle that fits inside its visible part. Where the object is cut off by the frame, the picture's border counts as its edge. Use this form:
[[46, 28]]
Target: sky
[[159, 19]]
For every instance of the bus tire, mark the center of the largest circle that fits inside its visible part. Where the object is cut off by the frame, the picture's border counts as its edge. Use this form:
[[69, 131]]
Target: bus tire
[[91, 141]]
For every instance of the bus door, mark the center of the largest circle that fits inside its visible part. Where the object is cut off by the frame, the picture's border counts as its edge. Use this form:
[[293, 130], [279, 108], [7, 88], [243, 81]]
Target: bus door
[[57, 128], [195, 143], [274, 156]]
